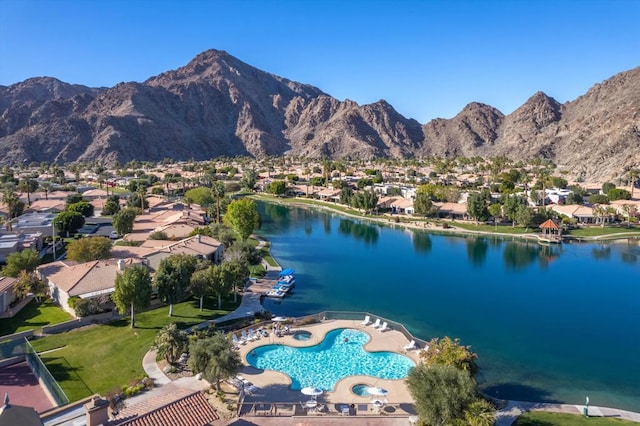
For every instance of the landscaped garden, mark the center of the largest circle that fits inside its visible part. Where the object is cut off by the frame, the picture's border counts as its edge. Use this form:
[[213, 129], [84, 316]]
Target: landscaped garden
[[33, 316], [104, 358]]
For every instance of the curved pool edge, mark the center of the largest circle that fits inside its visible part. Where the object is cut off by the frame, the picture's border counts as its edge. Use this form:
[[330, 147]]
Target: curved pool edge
[[388, 341]]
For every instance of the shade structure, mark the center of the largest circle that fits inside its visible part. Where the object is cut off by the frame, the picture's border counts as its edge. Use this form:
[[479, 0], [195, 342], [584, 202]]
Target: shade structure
[[287, 271], [312, 391], [278, 319], [377, 391]]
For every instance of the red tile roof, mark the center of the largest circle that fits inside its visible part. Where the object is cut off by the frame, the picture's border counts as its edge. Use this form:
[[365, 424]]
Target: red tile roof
[[174, 409]]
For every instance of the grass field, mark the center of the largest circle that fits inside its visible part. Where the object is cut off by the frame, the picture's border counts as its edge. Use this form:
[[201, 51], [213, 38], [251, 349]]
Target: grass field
[[495, 229], [101, 358], [542, 418], [33, 317], [598, 231]]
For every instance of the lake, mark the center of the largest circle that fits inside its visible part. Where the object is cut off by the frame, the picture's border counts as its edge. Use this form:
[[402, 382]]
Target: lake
[[549, 323]]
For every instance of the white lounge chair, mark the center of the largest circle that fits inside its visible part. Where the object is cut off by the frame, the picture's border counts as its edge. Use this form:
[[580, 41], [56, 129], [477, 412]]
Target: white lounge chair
[[245, 336], [367, 320], [238, 341], [384, 327], [410, 346], [376, 324], [253, 335]]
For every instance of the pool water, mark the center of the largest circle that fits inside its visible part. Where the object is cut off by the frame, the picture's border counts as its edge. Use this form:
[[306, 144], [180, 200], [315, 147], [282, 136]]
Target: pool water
[[339, 355], [360, 390], [302, 335]]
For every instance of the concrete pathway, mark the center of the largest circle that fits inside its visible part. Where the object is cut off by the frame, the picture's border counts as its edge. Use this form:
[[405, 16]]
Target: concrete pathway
[[151, 368]]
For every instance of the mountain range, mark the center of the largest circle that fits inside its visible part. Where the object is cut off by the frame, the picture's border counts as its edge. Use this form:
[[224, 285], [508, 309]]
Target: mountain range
[[218, 105]]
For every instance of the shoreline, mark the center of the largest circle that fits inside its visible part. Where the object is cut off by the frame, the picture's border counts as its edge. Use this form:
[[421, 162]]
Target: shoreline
[[432, 228]]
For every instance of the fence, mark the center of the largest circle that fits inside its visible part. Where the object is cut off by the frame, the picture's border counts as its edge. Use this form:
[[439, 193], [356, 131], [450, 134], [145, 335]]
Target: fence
[[41, 371], [20, 349]]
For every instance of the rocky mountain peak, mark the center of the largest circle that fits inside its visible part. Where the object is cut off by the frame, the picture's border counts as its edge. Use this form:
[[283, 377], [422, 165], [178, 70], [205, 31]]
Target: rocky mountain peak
[[218, 105]]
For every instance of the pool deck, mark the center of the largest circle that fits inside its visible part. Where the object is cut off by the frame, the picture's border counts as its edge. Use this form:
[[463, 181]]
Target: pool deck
[[275, 386]]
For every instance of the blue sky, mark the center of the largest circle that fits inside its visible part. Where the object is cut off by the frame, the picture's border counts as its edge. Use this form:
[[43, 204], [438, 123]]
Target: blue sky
[[426, 58]]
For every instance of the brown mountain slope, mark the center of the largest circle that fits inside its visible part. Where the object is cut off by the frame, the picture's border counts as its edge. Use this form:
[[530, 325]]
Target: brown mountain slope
[[218, 105]]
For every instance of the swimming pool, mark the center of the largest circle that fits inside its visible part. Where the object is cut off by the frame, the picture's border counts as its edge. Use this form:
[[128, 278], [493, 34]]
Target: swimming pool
[[339, 355]]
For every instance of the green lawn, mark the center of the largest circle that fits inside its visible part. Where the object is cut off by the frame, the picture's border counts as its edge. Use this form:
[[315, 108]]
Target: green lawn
[[494, 229], [542, 418], [33, 317], [599, 231], [99, 359]]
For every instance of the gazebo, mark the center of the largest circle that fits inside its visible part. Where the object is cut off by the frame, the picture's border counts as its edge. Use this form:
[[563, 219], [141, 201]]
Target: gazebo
[[551, 232]]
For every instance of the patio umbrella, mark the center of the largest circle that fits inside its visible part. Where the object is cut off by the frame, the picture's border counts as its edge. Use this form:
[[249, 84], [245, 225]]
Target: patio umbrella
[[375, 391], [311, 391]]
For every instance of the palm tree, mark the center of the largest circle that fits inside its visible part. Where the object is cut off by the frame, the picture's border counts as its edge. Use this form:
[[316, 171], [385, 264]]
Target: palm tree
[[10, 199], [28, 185], [171, 342], [480, 413], [218, 190], [633, 178]]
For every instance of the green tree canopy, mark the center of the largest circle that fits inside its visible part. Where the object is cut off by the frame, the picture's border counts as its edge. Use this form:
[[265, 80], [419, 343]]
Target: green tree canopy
[[68, 222], [423, 204], [136, 200], [29, 282], [214, 357], [618, 194], [442, 393], [73, 198], [123, 220], [242, 215], [449, 352], [365, 200], [276, 187], [111, 206], [89, 248], [173, 278], [85, 208], [201, 195], [25, 260], [477, 206], [249, 179], [132, 290]]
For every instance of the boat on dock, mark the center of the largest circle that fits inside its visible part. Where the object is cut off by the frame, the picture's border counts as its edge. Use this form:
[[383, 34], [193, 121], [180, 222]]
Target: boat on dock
[[276, 293], [286, 282]]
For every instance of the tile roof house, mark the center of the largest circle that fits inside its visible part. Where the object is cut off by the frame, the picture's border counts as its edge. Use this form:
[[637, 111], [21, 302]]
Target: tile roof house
[[200, 246], [84, 280], [180, 407]]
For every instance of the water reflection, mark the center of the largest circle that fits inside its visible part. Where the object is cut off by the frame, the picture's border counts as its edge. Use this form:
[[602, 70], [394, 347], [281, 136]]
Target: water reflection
[[326, 219], [477, 249], [359, 231], [628, 257], [601, 253], [422, 242], [518, 255]]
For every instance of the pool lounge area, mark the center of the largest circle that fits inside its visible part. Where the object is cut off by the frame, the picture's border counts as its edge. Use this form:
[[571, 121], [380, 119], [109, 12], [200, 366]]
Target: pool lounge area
[[273, 393]]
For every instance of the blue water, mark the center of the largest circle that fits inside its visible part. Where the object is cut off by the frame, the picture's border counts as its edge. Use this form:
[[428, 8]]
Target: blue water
[[550, 323], [339, 355], [361, 389]]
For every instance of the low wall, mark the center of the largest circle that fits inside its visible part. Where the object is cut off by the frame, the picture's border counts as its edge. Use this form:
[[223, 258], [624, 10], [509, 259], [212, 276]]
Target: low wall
[[80, 322], [17, 336]]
